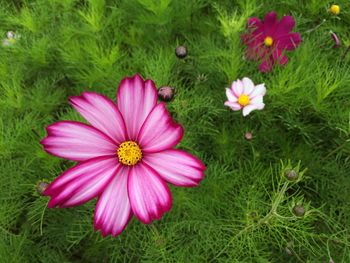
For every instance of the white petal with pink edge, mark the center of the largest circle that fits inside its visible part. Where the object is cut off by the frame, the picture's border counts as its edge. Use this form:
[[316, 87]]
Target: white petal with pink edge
[[177, 167], [159, 132], [237, 88], [77, 141], [230, 96], [82, 182], [113, 210], [149, 195], [102, 113], [233, 105], [135, 99]]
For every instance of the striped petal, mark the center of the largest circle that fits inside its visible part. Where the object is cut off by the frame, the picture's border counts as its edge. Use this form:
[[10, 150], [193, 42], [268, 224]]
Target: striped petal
[[101, 113], [149, 195], [77, 141], [136, 98], [113, 210], [177, 167], [159, 131], [82, 182]]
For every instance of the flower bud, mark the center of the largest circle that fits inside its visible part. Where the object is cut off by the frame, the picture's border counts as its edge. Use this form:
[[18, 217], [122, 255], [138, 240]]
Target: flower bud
[[336, 40], [291, 175], [299, 210], [166, 93], [181, 52], [248, 136], [41, 187]]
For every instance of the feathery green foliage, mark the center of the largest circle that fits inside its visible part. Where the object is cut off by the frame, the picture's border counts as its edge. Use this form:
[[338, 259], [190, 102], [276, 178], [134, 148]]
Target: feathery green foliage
[[243, 209]]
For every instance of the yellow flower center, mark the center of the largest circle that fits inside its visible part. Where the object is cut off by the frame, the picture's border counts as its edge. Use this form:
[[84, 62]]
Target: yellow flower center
[[11, 40], [129, 153], [268, 41], [335, 9], [243, 100]]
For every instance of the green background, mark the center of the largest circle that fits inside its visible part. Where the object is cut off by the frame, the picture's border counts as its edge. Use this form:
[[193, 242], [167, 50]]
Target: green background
[[243, 209]]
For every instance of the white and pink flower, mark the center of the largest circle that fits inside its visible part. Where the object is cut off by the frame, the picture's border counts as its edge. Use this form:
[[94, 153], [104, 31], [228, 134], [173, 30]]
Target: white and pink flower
[[125, 156], [243, 94]]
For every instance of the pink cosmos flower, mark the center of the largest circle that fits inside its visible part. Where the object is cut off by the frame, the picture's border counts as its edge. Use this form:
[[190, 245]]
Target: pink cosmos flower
[[268, 40], [245, 95], [125, 156]]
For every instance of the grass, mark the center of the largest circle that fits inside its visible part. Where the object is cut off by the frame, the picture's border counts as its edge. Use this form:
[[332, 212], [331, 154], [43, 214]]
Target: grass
[[243, 209]]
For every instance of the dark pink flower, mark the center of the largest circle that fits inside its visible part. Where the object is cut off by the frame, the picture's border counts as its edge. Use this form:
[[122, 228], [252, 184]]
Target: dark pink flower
[[125, 156], [268, 40]]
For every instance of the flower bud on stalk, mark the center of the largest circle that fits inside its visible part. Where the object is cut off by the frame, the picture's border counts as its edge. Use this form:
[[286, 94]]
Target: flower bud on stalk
[[336, 40], [299, 210], [166, 93], [291, 175], [41, 187], [181, 52]]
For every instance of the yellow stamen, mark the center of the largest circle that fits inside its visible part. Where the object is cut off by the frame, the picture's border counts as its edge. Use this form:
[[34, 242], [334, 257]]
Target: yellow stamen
[[129, 153], [243, 100], [335, 9], [268, 41]]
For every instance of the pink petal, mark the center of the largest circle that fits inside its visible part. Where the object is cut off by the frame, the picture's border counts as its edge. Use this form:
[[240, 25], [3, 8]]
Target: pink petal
[[233, 105], [230, 96], [284, 26], [136, 99], [237, 88], [149, 195], [113, 210], [253, 23], [159, 131], [248, 86], [246, 38], [249, 108], [279, 57], [77, 141], [335, 39], [288, 42], [82, 182], [266, 65], [101, 113], [177, 167], [270, 23], [259, 90]]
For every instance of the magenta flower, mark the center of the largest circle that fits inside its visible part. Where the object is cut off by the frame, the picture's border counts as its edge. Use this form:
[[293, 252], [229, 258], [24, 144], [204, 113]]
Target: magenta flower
[[268, 40], [125, 156]]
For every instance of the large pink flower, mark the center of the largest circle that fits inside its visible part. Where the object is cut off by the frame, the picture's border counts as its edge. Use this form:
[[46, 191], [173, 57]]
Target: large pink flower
[[125, 156], [268, 40]]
